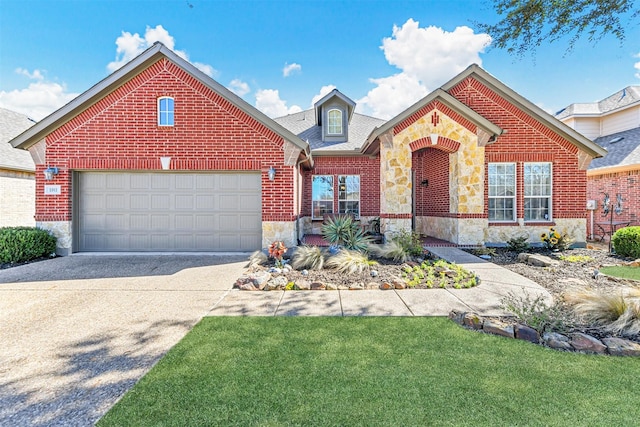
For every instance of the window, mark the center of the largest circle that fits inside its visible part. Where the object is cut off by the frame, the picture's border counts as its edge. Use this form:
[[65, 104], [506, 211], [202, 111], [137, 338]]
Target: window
[[349, 194], [334, 125], [502, 191], [321, 196], [165, 111], [537, 191]]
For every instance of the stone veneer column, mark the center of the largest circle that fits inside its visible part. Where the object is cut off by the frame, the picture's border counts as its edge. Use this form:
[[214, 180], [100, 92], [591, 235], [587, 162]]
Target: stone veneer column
[[62, 230], [395, 183]]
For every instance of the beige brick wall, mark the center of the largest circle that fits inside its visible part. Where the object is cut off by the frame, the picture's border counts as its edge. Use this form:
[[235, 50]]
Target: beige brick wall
[[17, 199]]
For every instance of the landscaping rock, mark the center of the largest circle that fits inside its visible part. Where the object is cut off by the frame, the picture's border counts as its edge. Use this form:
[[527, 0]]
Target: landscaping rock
[[523, 256], [374, 273], [399, 284], [587, 343], [538, 260], [305, 272], [331, 287], [635, 263], [356, 287], [457, 317], [621, 347], [496, 327], [257, 279], [247, 287], [386, 286], [318, 286], [343, 287], [557, 341], [473, 320], [276, 284], [526, 333], [372, 285], [302, 285]]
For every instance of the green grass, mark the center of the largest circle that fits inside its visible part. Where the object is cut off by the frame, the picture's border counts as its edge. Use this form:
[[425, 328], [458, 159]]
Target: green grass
[[622, 271], [259, 371]]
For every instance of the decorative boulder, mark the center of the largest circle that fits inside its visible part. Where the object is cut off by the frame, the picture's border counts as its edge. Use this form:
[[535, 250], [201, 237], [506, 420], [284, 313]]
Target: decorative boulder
[[587, 343]]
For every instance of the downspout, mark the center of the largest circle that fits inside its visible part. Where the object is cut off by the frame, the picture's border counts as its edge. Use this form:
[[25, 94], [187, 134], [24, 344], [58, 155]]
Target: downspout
[[307, 158]]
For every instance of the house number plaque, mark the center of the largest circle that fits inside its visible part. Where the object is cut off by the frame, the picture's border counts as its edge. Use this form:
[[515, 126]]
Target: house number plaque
[[52, 190]]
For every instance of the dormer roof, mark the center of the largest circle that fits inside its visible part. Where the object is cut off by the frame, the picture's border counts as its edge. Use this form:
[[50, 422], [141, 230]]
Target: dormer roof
[[349, 103]]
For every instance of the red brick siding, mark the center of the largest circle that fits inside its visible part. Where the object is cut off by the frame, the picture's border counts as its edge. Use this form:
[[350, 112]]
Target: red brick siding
[[625, 183], [367, 168], [433, 165], [120, 132], [527, 140]]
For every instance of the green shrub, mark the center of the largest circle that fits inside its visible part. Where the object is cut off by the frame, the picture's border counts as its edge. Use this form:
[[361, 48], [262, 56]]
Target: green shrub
[[626, 242], [307, 257], [22, 244], [534, 312], [410, 241], [518, 244]]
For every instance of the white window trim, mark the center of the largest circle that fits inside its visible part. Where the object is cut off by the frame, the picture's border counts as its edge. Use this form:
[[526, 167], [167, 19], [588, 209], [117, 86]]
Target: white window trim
[[329, 122], [350, 200], [333, 207], [159, 112], [550, 196], [515, 193]]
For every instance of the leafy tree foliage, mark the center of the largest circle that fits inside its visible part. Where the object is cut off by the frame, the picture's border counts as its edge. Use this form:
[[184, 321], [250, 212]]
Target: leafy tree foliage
[[525, 24]]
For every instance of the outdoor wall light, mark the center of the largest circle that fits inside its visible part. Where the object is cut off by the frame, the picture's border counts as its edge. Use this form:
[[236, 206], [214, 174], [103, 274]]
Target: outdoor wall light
[[50, 172], [424, 183], [272, 173]]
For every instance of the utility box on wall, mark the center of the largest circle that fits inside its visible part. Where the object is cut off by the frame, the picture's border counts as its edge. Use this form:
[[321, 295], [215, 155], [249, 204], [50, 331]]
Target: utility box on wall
[[592, 205]]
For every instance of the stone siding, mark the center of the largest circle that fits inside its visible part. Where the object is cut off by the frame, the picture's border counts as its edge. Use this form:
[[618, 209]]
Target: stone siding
[[279, 230], [62, 230]]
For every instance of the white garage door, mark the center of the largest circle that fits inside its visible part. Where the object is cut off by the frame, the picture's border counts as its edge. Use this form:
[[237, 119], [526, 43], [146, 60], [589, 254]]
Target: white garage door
[[125, 211]]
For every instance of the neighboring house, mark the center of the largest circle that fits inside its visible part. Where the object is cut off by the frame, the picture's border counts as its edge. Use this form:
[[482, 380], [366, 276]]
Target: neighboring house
[[614, 124], [160, 157], [17, 173]]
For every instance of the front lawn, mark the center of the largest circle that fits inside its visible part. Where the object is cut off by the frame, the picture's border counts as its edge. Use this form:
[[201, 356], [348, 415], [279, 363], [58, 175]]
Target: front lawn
[[272, 371], [622, 271]]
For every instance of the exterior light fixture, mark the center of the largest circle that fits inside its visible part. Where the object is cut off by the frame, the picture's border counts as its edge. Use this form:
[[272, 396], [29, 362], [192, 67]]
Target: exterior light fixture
[[50, 172], [272, 173]]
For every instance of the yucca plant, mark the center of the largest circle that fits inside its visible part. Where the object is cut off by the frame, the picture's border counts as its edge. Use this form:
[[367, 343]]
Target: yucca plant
[[308, 257], [349, 262], [343, 231], [615, 312]]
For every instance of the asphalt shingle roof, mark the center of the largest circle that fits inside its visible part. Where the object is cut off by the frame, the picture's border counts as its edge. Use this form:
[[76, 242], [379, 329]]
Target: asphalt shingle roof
[[623, 152], [303, 125], [13, 124], [622, 98]]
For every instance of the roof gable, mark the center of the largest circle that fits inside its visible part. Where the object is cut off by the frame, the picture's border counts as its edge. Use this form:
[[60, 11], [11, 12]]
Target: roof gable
[[129, 71], [476, 72], [11, 125]]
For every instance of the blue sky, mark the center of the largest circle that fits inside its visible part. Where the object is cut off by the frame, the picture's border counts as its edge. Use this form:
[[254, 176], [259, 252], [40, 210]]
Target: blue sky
[[281, 55]]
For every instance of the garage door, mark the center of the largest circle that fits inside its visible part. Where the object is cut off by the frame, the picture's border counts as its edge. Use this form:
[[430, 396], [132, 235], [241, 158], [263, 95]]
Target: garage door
[[124, 211]]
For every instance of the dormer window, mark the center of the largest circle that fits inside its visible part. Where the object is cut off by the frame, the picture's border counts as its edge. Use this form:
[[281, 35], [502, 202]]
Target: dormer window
[[165, 111], [334, 122]]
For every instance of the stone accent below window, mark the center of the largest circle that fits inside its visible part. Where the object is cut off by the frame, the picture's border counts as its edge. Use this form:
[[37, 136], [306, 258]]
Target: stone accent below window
[[62, 230]]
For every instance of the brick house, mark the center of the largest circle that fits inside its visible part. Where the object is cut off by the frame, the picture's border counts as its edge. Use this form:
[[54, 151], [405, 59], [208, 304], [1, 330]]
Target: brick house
[[160, 157], [614, 124], [17, 174]]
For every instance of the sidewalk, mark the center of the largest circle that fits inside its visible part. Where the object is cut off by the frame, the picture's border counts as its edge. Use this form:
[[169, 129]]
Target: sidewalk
[[495, 283]]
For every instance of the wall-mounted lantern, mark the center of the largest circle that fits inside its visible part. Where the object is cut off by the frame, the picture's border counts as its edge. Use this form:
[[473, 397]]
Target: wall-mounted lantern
[[271, 173], [50, 173]]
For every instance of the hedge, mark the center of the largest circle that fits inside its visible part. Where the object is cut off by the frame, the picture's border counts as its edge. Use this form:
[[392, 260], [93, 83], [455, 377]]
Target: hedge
[[22, 244]]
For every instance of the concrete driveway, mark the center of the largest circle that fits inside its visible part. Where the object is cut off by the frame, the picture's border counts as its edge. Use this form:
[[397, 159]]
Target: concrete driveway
[[77, 332]]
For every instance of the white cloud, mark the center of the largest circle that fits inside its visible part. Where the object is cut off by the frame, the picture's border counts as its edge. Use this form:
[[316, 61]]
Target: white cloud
[[323, 91], [268, 101], [131, 45], [39, 99], [239, 87], [36, 75], [427, 57], [290, 69], [637, 66], [392, 95]]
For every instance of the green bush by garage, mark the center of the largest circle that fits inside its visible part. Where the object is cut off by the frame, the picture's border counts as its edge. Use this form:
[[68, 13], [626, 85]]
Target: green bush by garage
[[626, 242], [22, 244]]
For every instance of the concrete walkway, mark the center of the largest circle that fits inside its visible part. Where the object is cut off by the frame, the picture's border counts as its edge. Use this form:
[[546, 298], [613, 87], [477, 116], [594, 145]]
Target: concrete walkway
[[495, 283]]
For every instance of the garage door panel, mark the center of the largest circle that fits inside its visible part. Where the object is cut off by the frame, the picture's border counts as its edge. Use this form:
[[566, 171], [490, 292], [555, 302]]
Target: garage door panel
[[121, 211]]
